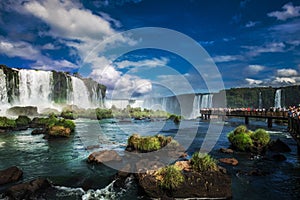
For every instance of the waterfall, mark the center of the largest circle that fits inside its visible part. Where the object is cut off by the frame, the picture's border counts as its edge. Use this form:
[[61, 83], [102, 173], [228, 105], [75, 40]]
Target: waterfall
[[3, 90], [278, 99], [206, 101], [259, 101], [35, 87], [80, 94], [196, 106]]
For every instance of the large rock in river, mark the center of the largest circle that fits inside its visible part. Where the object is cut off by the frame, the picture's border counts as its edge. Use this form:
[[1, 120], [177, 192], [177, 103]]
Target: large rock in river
[[10, 174], [28, 190], [59, 131], [104, 156], [196, 185], [23, 110]]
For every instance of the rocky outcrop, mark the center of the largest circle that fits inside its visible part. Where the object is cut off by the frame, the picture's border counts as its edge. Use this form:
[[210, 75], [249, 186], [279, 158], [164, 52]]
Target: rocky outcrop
[[229, 161], [228, 151], [201, 185], [10, 174], [28, 190], [279, 146], [22, 110], [104, 156], [59, 131]]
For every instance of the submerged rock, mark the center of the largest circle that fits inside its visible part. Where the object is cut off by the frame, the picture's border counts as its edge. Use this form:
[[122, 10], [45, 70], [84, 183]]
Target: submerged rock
[[229, 161], [278, 157], [10, 174], [224, 150], [104, 156], [28, 190], [279, 146]]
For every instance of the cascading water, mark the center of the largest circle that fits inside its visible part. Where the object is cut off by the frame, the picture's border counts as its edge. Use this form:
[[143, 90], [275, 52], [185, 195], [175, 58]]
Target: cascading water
[[3, 90], [277, 98], [206, 101], [47, 89], [259, 101], [80, 94], [196, 106], [35, 87]]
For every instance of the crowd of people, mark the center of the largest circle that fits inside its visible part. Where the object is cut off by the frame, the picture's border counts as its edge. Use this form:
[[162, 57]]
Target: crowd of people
[[294, 111]]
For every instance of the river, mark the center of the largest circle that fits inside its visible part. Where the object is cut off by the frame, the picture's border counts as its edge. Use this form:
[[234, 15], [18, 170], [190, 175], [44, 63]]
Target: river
[[63, 161]]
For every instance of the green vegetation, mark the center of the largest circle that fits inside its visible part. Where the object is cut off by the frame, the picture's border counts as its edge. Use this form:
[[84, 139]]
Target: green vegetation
[[149, 143], [245, 140], [169, 177], [203, 162], [6, 123], [103, 113], [261, 136], [69, 114], [52, 120], [176, 118], [242, 141], [23, 120]]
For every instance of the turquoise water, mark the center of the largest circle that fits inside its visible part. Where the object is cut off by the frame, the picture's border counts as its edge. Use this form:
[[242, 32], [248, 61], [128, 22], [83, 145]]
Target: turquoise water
[[63, 161]]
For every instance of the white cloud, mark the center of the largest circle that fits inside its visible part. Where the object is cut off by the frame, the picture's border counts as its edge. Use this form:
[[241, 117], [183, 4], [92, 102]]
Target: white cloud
[[251, 24], [226, 58], [150, 63], [68, 20], [19, 49], [283, 80], [49, 46], [254, 69], [267, 48], [287, 72], [289, 11], [121, 85], [253, 82]]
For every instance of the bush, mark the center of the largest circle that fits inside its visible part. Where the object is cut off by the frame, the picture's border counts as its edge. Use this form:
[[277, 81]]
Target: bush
[[68, 114], [7, 123], [240, 129], [240, 141], [103, 113], [176, 118], [66, 123], [23, 120], [203, 162], [170, 177], [261, 136], [149, 143]]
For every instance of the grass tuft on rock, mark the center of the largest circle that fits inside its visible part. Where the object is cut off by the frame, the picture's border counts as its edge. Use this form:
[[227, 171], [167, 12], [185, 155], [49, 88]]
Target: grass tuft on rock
[[23, 120], [7, 123], [169, 177], [203, 162], [149, 143], [261, 136], [243, 139]]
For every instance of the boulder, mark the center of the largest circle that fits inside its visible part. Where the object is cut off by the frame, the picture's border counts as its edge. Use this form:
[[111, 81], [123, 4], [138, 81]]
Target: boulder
[[104, 156], [196, 185], [23, 110], [28, 190], [229, 161], [183, 165], [59, 131], [148, 164], [224, 150], [278, 157], [10, 174], [279, 146]]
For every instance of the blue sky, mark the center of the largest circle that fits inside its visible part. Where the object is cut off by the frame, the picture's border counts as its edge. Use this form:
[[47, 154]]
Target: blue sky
[[253, 43]]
